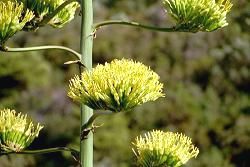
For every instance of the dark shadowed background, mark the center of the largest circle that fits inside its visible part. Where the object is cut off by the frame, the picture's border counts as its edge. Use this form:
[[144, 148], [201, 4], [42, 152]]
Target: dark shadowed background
[[206, 78]]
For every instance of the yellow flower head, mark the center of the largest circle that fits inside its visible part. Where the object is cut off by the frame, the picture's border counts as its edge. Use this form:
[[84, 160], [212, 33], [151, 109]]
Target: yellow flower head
[[117, 86], [43, 8], [12, 19], [158, 148], [198, 15], [16, 130]]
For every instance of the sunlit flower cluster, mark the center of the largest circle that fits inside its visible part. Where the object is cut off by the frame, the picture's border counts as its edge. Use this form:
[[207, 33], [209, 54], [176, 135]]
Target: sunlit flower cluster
[[12, 19], [163, 149], [43, 8], [198, 15], [16, 15], [16, 130], [117, 86]]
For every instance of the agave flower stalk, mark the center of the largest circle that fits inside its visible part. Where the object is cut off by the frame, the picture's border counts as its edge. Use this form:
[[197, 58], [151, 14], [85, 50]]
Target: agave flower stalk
[[198, 15], [16, 131], [117, 86], [86, 46], [161, 149], [190, 16], [12, 19]]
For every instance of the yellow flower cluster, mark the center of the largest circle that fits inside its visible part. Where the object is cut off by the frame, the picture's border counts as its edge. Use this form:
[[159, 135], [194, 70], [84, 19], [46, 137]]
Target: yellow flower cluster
[[43, 8], [16, 15], [117, 86], [16, 130], [199, 15], [12, 19], [158, 148]]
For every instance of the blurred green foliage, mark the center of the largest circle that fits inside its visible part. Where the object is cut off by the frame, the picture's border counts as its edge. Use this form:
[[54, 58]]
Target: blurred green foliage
[[206, 76]]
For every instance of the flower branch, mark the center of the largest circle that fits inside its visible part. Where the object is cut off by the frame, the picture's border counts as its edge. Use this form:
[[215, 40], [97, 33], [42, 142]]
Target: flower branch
[[36, 48], [42, 151], [134, 24], [190, 16], [74, 153]]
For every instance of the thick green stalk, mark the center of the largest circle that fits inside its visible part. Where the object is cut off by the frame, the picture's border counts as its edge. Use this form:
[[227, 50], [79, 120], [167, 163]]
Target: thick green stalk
[[86, 145]]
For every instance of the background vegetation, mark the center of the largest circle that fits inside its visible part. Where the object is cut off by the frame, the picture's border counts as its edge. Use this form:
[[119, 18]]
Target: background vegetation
[[206, 77]]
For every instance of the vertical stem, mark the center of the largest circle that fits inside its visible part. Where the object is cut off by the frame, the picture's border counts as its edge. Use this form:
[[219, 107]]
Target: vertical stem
[[86, 148]]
